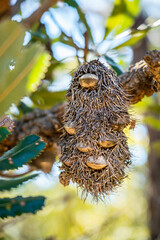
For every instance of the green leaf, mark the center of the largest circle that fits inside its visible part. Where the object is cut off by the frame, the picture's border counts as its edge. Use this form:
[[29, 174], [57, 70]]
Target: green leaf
[[152, 121], [4, 132], [39, 35], [13, 183], [17, 63], [118, 23], [19, 205], [133, 7], [122, 16], [43, 62], [131, 37], [28, 148], [74, 4], [23, 108], [46, 99], [116, 67], [52, 67]]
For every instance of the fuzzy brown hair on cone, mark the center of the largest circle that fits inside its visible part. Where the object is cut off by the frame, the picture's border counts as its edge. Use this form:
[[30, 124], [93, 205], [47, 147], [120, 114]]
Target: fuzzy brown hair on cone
[[95, 155]]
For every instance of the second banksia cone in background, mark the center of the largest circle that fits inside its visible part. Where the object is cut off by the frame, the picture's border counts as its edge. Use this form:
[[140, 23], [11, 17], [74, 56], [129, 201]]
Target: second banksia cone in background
[[94, 147]]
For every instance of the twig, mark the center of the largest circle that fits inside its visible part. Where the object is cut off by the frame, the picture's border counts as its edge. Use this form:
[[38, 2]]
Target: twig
[[86, 46], [15, 8], [4, 9]]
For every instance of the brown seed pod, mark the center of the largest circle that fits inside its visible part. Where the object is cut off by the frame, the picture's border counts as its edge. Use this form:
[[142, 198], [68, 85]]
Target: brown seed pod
[[97, 153], [69, 127], [118, 127], [88, 80], [68, 162], [64, 178], [96, 162], [107, 143], [83, 147]]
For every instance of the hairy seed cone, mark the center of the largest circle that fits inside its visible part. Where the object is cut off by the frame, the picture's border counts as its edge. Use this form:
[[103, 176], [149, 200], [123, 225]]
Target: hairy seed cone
[[96, 156], [46, 124]]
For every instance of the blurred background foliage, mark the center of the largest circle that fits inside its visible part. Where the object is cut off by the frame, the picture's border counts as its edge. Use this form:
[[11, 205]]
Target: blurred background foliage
[[40, 61]]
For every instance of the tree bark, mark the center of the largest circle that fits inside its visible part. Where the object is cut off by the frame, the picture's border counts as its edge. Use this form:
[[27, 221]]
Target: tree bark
[[154, 188]]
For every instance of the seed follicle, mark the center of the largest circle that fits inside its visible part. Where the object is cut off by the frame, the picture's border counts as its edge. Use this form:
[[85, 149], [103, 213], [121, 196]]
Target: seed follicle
[[96, 162], [69, 127], [88, 80], [107, 143], [84, 147]]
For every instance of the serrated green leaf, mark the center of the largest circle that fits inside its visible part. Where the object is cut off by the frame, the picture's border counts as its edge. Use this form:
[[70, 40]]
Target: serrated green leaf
[[19, 205], [37, 74], [46, 99], [4, 132], [116, 67], [28, 148], [53, 66], [16, 63], [13, 183]]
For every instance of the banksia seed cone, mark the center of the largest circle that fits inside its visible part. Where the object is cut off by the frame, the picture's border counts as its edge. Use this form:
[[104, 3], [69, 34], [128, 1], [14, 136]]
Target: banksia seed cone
[[45, 123], [137, 82], [95, 153], [142, 78], [152, 58], [7, 122]]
